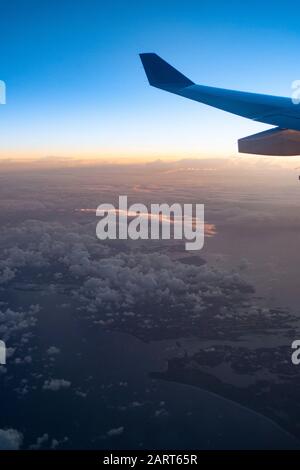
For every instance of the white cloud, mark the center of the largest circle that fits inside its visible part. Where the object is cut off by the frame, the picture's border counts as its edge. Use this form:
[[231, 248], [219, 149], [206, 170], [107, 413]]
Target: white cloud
[[115, 287], [115, 431], [53, 351], [10, 439], [56, 384], [40, 442]]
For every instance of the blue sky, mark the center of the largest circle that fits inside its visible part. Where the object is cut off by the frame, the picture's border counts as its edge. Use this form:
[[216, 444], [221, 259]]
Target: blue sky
[[75, 86]]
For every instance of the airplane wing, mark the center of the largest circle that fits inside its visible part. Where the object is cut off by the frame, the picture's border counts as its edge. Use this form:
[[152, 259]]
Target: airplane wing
[[273, 110]]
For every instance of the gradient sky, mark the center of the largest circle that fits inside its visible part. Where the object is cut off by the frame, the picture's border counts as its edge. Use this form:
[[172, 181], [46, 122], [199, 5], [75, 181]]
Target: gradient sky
[[75, 85]]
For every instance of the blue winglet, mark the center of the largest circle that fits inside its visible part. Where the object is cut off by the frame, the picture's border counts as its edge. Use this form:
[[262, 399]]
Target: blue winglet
[[161, 74]]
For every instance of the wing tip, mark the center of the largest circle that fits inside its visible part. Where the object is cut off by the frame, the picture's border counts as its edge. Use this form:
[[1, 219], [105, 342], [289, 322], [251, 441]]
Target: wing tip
[[161, 74]]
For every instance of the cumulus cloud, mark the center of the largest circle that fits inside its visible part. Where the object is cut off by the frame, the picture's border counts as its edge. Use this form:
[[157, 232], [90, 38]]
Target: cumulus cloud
[[44, 442], [53, 351], [40, 442], [115, 431], [130, 289], [15, 326], [6, 274], [10, 439], [54, 385]]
